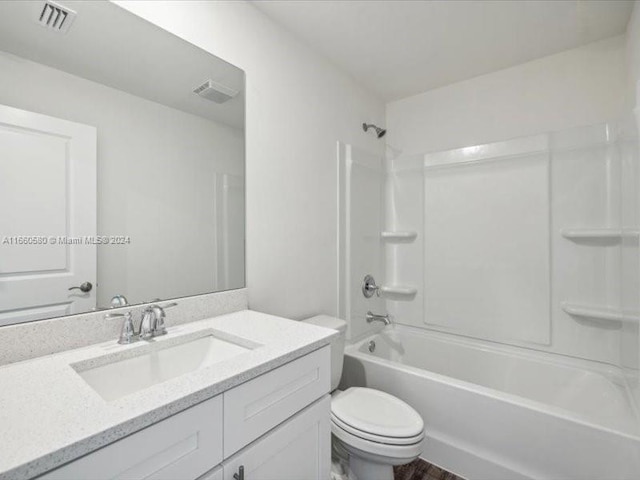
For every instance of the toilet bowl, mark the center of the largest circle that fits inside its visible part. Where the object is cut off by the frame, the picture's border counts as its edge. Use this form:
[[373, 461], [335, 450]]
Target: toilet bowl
[[377, 430], [372, 431]]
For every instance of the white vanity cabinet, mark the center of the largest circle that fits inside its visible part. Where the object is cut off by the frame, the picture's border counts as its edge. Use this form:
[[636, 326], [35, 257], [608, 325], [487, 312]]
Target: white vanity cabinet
[[299, 449], [182, 446], [257, 406], [275, 426]]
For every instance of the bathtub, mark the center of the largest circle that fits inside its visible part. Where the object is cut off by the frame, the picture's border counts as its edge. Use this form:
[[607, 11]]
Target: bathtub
[[497, 412]]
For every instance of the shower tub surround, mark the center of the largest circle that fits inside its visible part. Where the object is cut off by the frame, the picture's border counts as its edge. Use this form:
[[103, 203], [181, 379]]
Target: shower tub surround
[[530, 241], [502, 413], [515, 336]]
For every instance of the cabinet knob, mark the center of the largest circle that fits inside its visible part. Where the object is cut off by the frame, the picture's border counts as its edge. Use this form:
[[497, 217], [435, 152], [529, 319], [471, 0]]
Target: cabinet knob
[[240, 474]]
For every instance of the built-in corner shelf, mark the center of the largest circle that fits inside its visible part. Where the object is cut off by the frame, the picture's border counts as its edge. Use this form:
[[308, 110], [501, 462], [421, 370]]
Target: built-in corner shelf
[[397, 292], [600, 313], [599, 233], [399, 237]]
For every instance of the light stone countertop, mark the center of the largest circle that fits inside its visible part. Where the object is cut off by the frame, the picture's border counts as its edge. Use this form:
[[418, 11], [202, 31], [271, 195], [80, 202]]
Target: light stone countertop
[[50, 416]]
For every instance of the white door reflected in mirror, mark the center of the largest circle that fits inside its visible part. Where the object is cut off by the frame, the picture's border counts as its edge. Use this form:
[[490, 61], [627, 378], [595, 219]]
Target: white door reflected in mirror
[[47, 198]]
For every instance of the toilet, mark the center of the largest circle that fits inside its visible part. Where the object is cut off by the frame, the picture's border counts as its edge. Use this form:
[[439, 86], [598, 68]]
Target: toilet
[[371, 430]]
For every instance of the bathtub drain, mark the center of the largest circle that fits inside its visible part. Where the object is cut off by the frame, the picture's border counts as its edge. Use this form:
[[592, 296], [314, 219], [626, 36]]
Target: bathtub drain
[[372, 346]]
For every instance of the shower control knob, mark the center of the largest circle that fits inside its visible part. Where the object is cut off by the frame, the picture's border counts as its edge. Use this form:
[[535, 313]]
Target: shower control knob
[[369, 286]]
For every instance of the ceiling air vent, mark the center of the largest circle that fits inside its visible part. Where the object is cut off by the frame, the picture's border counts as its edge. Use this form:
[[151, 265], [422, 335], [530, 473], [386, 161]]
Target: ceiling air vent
[[216, 92], [56, 17]]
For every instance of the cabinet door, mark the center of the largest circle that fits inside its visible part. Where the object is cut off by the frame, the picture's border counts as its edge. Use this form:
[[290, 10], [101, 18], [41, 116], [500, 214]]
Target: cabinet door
[[182, 447], [299, 449], [257, 406]]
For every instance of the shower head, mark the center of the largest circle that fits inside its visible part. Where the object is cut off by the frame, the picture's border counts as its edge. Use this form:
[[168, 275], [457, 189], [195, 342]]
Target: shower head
[[379, 131]]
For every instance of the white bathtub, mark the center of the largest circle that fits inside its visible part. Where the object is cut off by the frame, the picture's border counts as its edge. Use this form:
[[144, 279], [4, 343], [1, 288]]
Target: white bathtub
[[494, 412]]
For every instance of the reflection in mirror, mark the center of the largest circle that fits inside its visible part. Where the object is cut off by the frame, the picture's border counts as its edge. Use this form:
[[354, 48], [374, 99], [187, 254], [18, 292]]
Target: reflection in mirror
[[121, 164]]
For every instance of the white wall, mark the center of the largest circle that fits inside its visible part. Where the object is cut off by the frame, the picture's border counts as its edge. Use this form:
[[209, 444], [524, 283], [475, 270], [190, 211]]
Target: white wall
[[298, 106], [157, 171], [631, 333], [633, 53], [578, 87]]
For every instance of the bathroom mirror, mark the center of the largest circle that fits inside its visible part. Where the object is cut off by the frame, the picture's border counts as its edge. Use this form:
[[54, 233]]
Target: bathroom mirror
[[121, 162]]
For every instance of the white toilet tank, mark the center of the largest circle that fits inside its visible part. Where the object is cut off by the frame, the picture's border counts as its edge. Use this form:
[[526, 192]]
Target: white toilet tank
[[337, 344]]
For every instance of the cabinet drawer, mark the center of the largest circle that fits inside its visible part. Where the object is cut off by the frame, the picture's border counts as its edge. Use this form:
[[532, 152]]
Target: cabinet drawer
[[255, 407], [183, 446]]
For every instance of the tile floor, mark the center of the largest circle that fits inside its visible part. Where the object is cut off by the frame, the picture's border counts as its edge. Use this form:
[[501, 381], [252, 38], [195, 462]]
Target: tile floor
[[421, 470]]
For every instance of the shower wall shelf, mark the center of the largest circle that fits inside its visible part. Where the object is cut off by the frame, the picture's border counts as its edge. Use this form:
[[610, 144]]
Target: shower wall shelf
[[596, 233], [600, 313], [400, 236], [397, 292]]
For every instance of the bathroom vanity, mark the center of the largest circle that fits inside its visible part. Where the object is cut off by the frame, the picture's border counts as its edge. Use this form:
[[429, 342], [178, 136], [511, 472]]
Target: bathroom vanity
[[239, 396]]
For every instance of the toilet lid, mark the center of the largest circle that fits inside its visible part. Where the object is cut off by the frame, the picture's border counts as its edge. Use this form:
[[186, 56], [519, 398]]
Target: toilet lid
[[375, 412]]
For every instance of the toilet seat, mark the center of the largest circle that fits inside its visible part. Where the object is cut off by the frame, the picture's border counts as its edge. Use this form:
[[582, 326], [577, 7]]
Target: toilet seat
[[374, 416]]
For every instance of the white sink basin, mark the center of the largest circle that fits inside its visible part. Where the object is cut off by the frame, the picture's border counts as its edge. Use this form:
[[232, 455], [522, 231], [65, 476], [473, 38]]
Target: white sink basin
[[117, 379]]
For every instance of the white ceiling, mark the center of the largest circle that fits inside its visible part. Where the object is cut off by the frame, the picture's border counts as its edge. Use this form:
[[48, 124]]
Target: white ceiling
[[109, 45], [401, 48]]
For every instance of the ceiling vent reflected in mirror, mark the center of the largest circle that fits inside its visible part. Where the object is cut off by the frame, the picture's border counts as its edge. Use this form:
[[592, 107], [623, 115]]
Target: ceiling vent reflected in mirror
[[141, 110], [215, 92], [56, 17]]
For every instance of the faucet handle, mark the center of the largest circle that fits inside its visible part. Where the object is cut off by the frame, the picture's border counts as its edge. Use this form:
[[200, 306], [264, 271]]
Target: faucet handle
[[128, 332], [156, 302]]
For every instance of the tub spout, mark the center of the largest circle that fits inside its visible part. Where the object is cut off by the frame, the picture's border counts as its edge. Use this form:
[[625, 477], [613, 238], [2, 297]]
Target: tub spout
[[372, 317]]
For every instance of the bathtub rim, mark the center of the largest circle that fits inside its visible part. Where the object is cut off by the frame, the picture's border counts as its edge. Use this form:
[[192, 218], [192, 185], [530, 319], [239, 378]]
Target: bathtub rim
[[353, 349]]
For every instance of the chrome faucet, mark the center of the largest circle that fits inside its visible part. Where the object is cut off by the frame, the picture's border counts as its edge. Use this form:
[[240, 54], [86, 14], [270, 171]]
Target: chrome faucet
[[119, 301], [372, 317], [151, 324], [148, 323]]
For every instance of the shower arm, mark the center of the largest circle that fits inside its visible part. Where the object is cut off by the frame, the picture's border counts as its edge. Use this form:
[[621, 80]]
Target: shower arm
[[380, 132]]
